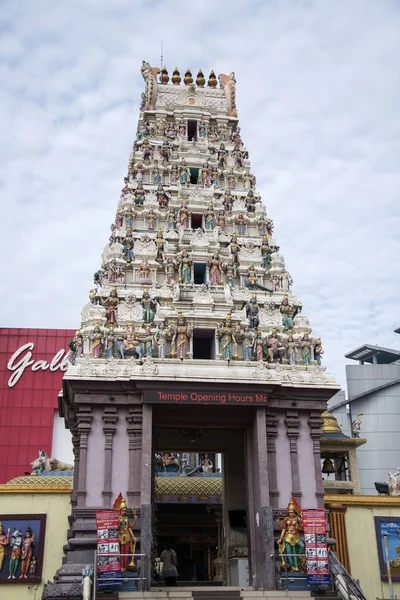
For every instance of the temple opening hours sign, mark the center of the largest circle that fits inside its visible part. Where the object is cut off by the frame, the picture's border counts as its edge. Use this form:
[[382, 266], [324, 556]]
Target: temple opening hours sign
[[316, 547]]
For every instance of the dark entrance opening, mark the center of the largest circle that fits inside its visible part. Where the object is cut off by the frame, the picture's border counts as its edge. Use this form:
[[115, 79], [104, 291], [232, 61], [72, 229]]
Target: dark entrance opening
[[200, 273], [196, 221], [192, 131], [194, 175], [203, 344]]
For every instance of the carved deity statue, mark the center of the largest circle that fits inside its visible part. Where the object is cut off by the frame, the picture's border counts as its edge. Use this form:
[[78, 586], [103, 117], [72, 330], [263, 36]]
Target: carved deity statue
[[149, 306], [126, 537], [215, 269], [273, 347], [180, 339], [247, 343], [289, 542], [252, 311], [226, 333]]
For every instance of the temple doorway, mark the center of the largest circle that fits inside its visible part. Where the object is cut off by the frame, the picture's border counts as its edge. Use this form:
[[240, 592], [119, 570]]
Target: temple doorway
[[200, 502]]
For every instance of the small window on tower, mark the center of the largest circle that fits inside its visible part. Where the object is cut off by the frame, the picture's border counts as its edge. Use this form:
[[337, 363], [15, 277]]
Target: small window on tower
[[197, 221], [194, 175], [192, 131], [200, 273]]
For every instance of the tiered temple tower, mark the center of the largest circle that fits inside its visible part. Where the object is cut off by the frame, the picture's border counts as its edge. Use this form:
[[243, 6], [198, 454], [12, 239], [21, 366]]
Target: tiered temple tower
[[192, 323]]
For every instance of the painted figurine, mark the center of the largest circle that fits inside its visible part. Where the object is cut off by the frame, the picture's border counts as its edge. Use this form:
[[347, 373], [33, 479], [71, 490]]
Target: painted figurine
[[184, 216], [171, 219], [148, 342], [241, 221], [128, 247], [151, 218], [215, 269], [273, 347], [289, 542], [180, 340], [140, 194], [185, 263], [97, 339], [162, 197], [306, 345], [131, 342], [4, 540], [112, 307], [259, 346], [109, 343], [161, 340], [209, 217], [160, 243], [27, 552], [318, 351], [230, 273], [16, 551], [127, 540], [227, 201], [226, 333], [221, 220], [170, 268], [247, 343], [291, 349], [288, 313], [252, 310], [149, 306]]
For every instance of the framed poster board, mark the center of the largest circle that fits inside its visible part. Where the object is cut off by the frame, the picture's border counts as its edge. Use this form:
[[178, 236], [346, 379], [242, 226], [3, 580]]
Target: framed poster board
[[388, 527], [22, 539]]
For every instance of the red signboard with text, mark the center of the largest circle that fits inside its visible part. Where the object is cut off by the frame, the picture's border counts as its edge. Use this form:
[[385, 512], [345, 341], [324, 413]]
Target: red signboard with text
[[32, 362], [317, 563]]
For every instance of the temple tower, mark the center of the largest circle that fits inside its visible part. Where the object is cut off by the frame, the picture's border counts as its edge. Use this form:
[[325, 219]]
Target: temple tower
[[192, 325]]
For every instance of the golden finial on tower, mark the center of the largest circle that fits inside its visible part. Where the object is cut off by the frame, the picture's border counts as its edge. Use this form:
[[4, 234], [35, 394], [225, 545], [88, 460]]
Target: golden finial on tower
[[176, 77], [188, 77], [212, 80], [200, 80], [164, 77]]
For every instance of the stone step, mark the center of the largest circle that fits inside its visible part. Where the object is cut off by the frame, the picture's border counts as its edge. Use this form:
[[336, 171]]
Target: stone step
[[219, 593]]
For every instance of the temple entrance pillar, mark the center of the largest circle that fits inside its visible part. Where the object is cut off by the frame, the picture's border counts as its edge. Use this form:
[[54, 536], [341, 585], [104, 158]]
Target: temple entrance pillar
[[146, 488]]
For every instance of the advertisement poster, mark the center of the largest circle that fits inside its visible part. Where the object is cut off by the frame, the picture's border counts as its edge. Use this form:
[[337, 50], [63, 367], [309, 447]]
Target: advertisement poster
[[316, 547], [108, 567], [388, 528]]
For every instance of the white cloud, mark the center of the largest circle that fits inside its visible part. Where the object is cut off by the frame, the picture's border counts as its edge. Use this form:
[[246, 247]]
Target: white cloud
[[317, 94]]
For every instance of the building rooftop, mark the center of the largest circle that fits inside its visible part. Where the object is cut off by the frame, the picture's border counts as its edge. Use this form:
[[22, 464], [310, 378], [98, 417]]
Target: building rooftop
[[374, 354]]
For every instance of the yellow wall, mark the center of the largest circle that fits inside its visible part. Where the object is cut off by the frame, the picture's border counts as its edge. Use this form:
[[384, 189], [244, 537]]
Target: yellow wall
[[363, 549], [57, 508]]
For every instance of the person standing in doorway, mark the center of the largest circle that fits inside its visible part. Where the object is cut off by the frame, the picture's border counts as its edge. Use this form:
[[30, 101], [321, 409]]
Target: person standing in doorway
[[169, 570]]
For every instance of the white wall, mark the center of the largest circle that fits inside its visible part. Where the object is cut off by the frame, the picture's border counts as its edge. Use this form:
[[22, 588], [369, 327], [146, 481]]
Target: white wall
[[62, 440]]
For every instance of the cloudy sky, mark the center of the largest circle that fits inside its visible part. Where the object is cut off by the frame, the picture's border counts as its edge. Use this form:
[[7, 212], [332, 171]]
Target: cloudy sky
[[318, 98]]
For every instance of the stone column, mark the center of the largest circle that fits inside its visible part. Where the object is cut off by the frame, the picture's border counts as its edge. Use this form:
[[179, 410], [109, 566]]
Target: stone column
[[110, 419], [134, 429], [75, 445], [272, 431], [84, 419], [353, 468], [292, 423], [315, 422], [146, 525], [337, 523]]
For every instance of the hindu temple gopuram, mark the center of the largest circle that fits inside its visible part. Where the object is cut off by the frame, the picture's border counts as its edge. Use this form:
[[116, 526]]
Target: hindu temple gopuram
[[196, 386]]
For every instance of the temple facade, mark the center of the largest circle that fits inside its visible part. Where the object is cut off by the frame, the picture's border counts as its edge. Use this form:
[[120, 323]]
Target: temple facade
[[193, 342]]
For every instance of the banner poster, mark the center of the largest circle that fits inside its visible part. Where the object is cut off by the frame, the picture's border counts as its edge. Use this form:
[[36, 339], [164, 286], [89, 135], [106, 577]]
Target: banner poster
[[108, 567], [316, 547]]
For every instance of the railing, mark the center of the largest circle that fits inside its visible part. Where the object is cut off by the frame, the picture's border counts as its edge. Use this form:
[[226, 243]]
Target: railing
[[141, 579], [343, 581]]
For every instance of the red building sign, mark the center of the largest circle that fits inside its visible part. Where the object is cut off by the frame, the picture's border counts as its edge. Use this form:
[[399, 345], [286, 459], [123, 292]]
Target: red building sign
[[32, 362]]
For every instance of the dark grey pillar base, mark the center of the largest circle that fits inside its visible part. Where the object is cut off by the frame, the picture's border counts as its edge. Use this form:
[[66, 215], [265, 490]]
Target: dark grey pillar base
[[264, 545]]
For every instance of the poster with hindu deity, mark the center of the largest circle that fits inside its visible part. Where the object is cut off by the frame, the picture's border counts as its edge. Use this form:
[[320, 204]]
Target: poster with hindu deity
[[21, 548], [316, 548], [388, 541], [108, 566]]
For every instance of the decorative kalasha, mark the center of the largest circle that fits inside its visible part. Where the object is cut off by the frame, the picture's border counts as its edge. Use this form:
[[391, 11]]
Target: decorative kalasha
[[191, 237], [290, 546], [21, 548]]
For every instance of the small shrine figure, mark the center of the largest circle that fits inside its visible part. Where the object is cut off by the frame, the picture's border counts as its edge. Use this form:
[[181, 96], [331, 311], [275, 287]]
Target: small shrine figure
[[209, 217], [237, 156], [221, 220], [226, 333], [165, 152], [184, 215], [227, 201], [230, 273], [171, 131], [112, 271], [251, 279], [145, 132], [160, 337], [161, 125], [259, 346], [128, 247], [119, 219], [162, 197], [265, 226], [306, 345], [33, 567], [251, 202], [182, 128], [151, 218], [252, 311], [286, 281], [147, 151], [288, 313], [129, 216], [247, 343], [94, 296], [109, 343], [171, 219], [97, 339], [184, 173], [241, 221], [231, 180], [160, 243], [273, 347], [76, 351], [4, 540], [170, 268], [206, 174], [235, 249], [266, 252], [202, 129], [174, 174], [148, 342], [215, 176], [126, 189], [318, 351], [16, 551], [291, 349], [221, 156], [180, 340], [112, 306], [185, 263], [215, 269], [138, 172], [144, 271], [156, 172], [140, 194], [289, 542], [213, 134], [149, 306], [126, 538], [131, 341]]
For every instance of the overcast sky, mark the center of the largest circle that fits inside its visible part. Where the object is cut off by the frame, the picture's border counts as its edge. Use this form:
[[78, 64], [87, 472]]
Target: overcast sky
[[318, 96]]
